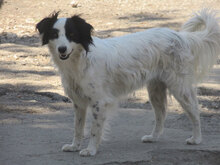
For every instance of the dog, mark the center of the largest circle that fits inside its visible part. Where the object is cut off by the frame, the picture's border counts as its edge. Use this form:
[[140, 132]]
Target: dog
[[96, 72]]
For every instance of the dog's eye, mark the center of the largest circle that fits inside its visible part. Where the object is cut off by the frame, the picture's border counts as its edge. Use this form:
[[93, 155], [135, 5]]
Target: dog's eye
[[54, 35], [72, 35]]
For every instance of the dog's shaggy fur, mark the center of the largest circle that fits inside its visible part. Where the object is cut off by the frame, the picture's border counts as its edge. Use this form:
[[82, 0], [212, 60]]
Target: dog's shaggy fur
[[96, 72]]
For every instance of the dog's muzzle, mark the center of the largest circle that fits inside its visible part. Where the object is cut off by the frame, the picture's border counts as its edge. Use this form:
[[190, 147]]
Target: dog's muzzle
[[65, 56]]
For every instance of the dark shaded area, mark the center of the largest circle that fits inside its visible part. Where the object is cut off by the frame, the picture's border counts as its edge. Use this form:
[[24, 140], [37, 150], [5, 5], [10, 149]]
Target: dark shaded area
[[7, 37], [210, 124], [51, 95], [214, 102], [133, 29], [25, 97], [175, 26], [21, 54], [180, 157], [135, 103], [108, 33], [210, 104], [183, 157], [1, 3], [208, 92], [141, 17]]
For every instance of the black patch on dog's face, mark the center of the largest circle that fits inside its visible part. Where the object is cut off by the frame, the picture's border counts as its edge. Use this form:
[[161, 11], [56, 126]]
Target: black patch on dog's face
[[45, 27], [79, 31]]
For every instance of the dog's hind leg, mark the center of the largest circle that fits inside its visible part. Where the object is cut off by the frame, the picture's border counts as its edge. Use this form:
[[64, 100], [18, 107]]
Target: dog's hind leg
[[188, 100], [158, 99], [99, 116], [79, 123]]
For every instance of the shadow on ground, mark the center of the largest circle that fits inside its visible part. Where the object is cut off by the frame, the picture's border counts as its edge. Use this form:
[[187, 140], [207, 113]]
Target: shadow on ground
[[8, 37], [140, 18], [23, 98]]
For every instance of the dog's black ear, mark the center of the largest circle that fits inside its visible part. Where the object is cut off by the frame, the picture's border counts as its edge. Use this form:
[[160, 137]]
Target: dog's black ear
[[45, 25], [84, 29]]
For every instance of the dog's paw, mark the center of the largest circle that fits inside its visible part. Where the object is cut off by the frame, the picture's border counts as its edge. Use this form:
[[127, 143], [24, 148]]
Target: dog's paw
[[192, 140], [87, 152], [70, 148], [148, 139]]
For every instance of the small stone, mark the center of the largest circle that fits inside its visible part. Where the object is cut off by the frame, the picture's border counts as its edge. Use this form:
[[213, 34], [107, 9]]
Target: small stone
[[74, 3]]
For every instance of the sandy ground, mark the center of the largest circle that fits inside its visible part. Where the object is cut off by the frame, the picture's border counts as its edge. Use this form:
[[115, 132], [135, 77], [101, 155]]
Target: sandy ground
[[36, 118]]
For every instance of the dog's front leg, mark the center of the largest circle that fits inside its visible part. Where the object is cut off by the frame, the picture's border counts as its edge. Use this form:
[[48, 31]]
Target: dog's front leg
[[79, 123], [98, 113]]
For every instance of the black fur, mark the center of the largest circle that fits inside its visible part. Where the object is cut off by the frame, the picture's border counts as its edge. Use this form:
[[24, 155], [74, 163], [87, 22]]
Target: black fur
[[95, 116], [79, 31], [45, 27]]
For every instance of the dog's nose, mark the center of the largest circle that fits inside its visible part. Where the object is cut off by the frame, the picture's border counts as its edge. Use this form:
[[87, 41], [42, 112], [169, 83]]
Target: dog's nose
[[62, 49]]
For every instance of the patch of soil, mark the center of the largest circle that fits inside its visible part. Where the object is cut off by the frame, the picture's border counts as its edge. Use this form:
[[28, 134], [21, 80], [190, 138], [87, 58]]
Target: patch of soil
[[210, 123]]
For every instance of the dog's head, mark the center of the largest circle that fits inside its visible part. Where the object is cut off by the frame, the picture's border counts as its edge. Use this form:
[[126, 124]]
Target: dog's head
[[65, 35]]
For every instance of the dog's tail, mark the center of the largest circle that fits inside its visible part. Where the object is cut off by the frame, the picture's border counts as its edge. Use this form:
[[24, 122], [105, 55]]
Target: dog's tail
[[204, 40]]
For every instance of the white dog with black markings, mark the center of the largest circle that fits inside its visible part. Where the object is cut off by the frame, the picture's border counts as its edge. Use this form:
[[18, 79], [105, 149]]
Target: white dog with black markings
[[97, 72]]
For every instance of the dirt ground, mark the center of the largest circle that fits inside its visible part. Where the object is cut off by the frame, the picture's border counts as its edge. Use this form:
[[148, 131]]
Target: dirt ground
[[36, 117]]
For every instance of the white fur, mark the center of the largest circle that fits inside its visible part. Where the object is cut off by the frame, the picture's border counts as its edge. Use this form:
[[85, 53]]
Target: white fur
[[158, 58]]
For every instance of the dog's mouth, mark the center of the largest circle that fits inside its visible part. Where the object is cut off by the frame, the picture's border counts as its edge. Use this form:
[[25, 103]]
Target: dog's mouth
[[65, 56]]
